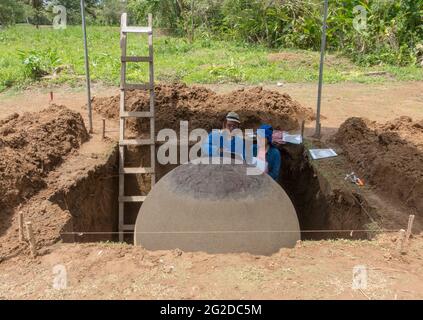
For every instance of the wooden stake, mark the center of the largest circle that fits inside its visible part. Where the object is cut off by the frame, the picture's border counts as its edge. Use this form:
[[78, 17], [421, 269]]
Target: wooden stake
[[103, 134], [302, 130], [31, 239], [409, 227], [21, 227], [401, 238]]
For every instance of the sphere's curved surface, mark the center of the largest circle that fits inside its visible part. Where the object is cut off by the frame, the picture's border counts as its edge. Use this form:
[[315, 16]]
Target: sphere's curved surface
[[217, 208]]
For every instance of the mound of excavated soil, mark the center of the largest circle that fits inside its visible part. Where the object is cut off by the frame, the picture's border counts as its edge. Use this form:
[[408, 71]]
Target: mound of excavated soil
[[33, 144], [206, 109], [388, 155]]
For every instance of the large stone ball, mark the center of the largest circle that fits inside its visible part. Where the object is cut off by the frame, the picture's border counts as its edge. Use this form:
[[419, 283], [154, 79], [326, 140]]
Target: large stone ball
[[217, 208]]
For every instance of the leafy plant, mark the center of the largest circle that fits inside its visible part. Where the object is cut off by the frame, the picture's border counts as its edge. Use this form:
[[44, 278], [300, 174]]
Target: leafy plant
[[37, 64], [228, 73], [32, 65]]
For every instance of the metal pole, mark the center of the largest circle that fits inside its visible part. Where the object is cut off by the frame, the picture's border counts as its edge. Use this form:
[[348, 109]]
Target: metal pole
[[87, 69], [322, 58]]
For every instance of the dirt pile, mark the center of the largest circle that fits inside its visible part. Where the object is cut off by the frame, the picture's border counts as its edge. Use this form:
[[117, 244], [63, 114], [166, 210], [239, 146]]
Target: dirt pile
[[388, 155], [33, 144], [204, 108]]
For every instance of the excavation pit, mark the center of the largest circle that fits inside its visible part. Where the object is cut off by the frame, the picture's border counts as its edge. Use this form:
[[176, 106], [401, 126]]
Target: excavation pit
[[326, 204], [73, 196], [323, 205]]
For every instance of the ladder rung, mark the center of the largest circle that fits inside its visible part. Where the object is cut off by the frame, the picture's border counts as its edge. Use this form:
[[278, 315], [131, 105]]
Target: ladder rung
[[135, 59], [136, 142], [137, 170], [137, 29], [135, 86], [132, 198], [136, 114], [128, 227]]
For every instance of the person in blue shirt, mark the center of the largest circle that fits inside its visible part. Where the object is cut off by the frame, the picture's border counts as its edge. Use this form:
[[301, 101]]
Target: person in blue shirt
[[225, 141], [273, 156]]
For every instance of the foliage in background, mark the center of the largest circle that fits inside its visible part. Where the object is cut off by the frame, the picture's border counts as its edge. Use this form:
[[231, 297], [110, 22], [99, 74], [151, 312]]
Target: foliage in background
[[11, 12], [28, 54], [108, 12], [394, 27], [73, 9], [167, 13], [394, 33]]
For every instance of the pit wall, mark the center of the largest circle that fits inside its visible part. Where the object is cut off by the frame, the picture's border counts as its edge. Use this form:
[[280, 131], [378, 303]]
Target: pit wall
[[321, 201], [92, 202]]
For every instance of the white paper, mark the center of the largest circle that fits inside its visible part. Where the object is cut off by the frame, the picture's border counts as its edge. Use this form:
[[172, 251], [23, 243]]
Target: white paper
[[292, 138], [322, 153]]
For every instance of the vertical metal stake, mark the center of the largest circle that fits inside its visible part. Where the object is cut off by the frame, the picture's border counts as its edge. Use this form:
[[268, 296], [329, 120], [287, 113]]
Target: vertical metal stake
[[87, 69], [322, 58]]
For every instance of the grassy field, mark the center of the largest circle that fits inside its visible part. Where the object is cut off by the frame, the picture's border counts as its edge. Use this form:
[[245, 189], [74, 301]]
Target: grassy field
[[28, 55]]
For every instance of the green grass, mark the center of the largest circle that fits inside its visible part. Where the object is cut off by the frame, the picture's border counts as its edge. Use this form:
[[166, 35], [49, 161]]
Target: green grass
[[26, 54]]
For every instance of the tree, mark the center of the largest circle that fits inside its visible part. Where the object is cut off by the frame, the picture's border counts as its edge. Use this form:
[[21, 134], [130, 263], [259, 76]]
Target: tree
[[33, 11], [167, 13], [11, 11], [109, 11], [38, 7]]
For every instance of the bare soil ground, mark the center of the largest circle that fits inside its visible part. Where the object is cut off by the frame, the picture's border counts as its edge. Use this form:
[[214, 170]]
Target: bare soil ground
[[313, 269], [388, 155], [32, 145], [378, 102], [46, 155]]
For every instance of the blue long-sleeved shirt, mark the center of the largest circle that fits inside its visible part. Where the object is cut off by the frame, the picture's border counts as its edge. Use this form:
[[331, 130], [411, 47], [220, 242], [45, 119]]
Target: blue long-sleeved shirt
[[236, 145], [216, 141], [273, 158]]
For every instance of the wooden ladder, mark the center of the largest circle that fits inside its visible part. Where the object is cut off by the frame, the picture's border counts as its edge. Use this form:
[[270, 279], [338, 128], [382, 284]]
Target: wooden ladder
[[125, 29]]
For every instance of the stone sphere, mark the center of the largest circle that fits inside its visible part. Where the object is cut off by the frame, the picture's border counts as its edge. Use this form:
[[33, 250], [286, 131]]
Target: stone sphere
[[217, 208]]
